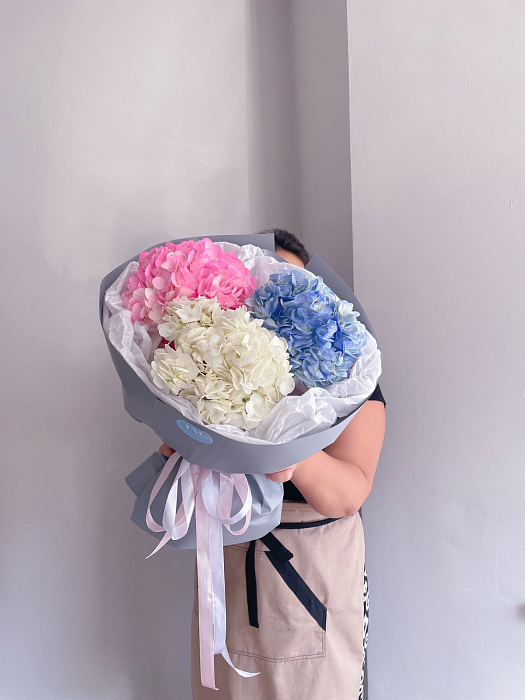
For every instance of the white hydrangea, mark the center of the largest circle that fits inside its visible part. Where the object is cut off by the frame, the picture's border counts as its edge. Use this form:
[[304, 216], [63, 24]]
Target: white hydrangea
[[179, 312], [172, 370], [231, 368]]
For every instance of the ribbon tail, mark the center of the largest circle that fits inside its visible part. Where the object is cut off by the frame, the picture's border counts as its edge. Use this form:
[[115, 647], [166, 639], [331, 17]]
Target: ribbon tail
[[166, 538], [175, 522], [206, 649], [246, 674], [212, 597], [219, 596], [164, 474]]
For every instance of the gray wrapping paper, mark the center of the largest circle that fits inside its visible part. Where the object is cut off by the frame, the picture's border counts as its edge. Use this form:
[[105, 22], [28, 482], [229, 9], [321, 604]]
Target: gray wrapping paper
[[208, 448], [214, 450]]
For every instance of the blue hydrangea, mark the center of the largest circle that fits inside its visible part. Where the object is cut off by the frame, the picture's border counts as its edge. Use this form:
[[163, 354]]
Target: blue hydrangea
[[324, 338]]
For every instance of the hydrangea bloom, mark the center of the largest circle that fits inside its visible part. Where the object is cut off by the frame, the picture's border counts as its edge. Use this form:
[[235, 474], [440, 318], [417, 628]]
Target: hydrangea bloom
[[191, 268], [323, 336], [231, 368]]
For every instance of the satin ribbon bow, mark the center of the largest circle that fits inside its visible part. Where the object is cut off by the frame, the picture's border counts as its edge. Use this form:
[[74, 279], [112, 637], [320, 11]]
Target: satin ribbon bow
[[210, 495]]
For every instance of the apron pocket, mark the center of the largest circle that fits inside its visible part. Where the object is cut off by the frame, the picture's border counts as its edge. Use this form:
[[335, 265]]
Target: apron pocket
[[286, 631]]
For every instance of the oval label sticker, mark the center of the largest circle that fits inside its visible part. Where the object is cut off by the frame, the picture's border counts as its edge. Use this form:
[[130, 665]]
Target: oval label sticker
[[194, 431]]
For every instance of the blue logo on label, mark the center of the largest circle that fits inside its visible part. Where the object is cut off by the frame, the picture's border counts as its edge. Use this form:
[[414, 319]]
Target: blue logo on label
[[194, 431]]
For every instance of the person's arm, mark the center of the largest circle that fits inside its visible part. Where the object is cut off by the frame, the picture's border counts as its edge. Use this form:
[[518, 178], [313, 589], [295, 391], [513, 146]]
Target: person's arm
[[336, 481]]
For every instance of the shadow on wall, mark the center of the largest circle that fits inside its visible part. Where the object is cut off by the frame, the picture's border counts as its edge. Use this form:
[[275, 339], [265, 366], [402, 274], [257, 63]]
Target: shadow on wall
[[272, 164]]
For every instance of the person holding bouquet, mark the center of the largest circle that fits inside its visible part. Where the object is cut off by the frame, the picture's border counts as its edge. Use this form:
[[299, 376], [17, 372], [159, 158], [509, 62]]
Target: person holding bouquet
[[297, 599]]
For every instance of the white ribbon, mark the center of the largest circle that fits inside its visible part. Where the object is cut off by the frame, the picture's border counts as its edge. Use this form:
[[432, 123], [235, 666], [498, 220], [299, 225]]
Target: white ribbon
[[210, 495]]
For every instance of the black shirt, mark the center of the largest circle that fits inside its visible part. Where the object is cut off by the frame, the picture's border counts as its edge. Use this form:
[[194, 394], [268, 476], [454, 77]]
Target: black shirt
[[291, 492]]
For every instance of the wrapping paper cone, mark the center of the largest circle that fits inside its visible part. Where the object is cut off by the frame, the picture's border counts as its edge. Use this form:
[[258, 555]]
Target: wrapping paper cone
[[209, 448]]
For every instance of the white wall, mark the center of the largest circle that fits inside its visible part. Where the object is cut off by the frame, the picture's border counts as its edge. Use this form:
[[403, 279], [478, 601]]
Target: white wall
[[126, 123], [437, 95]]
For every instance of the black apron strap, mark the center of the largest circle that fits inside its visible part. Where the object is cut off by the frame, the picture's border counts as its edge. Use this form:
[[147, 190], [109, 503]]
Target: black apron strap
[[311, 523], [251, 585], [280, 559]]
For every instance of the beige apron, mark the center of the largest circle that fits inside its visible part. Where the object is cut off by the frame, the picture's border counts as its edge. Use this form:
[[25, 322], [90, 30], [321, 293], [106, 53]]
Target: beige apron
[[308, 644]]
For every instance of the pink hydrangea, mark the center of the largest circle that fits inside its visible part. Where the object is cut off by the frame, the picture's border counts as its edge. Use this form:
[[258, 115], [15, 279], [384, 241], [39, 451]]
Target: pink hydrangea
[[191, 268]]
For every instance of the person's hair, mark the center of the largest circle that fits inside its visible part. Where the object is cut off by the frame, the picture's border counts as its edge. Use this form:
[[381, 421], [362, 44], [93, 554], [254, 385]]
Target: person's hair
[[289, 241]]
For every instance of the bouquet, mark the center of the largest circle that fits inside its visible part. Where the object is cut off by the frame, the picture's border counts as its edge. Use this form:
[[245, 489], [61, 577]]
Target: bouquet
[[244, 364]]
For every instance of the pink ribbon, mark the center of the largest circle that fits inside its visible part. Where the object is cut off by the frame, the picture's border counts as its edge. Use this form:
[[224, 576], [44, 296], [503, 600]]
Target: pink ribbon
[[210, 495]]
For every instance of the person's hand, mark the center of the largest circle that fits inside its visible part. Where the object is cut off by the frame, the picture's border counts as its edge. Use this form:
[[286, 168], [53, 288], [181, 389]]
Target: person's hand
[[283, 475], [166, 450]]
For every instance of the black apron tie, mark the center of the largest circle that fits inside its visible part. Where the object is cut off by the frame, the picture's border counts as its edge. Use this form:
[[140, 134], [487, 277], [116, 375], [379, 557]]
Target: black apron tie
[[280, 558]]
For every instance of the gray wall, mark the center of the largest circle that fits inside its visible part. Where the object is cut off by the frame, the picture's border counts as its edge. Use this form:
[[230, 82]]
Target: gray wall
[[125, 124], [299, 141], [438, 190], [320, 68], [129, 122]]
